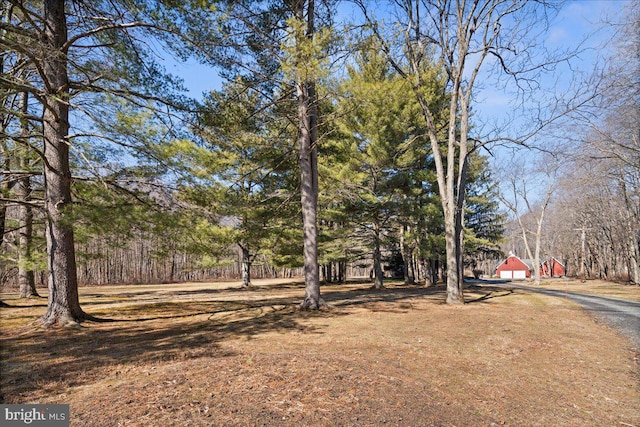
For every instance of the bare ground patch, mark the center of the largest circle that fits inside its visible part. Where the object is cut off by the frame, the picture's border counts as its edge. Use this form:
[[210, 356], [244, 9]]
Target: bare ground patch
[[201, 355]]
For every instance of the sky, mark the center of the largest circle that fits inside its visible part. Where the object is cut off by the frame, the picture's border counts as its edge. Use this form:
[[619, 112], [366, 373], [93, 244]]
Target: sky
[[581, 24], [585, 25], [577, 20]]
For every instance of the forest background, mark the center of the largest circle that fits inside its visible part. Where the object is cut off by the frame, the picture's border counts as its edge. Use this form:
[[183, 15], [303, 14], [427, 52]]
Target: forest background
[[163, 184]]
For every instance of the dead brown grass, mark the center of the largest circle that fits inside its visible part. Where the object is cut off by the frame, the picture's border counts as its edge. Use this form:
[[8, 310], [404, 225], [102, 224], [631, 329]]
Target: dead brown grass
[[200, 355], [595, 287]]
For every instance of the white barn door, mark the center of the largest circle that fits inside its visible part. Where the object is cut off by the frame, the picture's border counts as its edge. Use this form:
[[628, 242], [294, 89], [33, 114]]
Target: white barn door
[[519, 274], [506, 274]]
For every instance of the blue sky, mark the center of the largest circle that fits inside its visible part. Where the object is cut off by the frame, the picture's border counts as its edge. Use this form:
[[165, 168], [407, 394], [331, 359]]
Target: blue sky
[[580, 23], [585, 23], [589, 25], [577, 20], [197, 78]]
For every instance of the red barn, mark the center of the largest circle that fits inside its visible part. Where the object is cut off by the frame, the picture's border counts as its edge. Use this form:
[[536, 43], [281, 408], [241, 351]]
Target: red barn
[[552, 268], [514, 268]]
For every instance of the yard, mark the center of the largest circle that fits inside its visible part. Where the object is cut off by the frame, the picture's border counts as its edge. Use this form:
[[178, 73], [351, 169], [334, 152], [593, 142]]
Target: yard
[[206, 354]]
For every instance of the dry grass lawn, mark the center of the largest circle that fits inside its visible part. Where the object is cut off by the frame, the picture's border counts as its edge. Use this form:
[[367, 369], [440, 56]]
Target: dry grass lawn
[[215, 355]]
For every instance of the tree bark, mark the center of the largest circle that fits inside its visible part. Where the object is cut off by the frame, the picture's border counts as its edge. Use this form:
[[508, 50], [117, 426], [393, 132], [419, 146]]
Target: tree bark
[[378, 276], [462, 35], [407, 259], [246, 266], [3, 206], [63, 303], [26, 279], [5, 10], [536, 256], [633, 258], [446, 179], [453, 252], [308, 138]]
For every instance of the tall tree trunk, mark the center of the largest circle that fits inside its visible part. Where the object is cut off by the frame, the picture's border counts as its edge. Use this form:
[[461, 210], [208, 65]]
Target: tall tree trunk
[[407, 259], [536, 265], [413, 272], [63, 305], [5, 11], [536, 255], [583, 262], [3, 207], [246, 265], [454, 281], [308, 138], [426, 268], [433, 272], [26, 279], [633, 255], [378, 276], [447, 180]]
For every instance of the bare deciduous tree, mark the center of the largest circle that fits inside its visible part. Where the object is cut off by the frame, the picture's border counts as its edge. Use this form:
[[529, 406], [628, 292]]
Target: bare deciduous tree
[[530, 186], [456, 41], [605, 174]]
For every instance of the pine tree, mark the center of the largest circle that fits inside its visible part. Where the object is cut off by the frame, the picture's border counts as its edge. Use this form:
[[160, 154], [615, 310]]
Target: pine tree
[[82, 57], [382, 122], [484, 224], [281, 48], [249, 172]]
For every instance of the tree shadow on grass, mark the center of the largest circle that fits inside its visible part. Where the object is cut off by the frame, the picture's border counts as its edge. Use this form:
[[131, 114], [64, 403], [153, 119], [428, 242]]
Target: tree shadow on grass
[[166, 331], [487, 293], [336, 296], [60, 358], [33, 300], [169, 290]]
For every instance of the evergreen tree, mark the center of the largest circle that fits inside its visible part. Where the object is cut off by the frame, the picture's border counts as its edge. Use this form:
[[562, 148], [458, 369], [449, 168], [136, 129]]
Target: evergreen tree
[[250, 167], [484, 224], [84, 54], [17, 160], [382, 122], [461, 38], [281, 49]]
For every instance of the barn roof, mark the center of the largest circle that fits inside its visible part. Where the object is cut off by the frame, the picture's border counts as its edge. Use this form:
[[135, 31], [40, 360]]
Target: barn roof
[[556, 260], [527, 262]]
